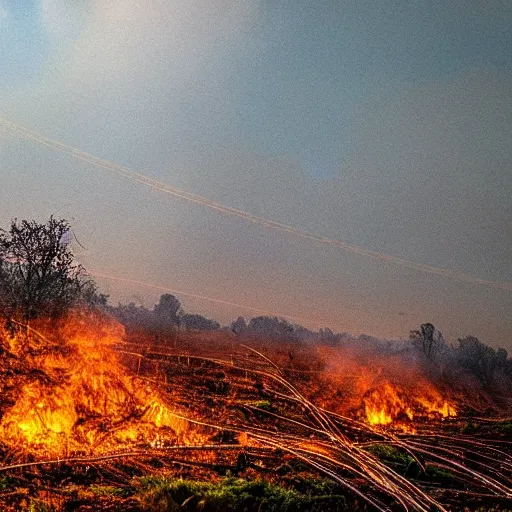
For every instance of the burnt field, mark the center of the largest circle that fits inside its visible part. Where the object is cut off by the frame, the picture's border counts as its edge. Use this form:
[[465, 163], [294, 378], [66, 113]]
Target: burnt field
[[92, 419]]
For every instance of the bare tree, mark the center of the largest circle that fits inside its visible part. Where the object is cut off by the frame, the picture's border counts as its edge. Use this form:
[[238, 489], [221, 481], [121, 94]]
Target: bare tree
[[38, 273]]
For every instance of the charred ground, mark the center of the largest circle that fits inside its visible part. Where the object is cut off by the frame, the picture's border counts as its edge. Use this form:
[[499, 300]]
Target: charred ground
[[124, 408], [221, 421]]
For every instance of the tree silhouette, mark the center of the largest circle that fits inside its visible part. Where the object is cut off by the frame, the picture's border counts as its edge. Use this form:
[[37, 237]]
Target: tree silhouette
[[168, 309], [195, 322], [38, 273], [428, 340], [480, 359], [239, 326], [271, 327]]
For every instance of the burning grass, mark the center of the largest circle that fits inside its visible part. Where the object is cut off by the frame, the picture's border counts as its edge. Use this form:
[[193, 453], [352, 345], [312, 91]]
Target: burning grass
[[152, 428], [390, 404], [75, 396]]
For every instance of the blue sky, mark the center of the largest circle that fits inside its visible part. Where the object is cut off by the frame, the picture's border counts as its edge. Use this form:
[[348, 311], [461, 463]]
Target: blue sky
[[316, 61], [23, 43], [386, 124]]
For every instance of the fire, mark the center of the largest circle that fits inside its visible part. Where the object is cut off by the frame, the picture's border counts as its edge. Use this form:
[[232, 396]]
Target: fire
[[380, 388], [78, 396], [388, 403], [50, 414]]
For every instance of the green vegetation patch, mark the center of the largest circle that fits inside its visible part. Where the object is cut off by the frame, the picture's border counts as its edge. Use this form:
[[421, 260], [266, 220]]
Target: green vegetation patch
[[469, 428], [230, 495], [389, 453], [409, 467], [8, 483], [504, 427], [439, 473], [266, 405]]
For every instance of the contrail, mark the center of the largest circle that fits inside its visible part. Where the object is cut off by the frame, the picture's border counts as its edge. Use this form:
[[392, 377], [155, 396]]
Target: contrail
[[195, 295], [229, 210]]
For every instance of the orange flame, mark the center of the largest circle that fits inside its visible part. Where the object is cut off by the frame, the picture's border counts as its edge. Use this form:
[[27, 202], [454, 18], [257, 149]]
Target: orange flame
[[380, 388], [77, 394], [388, 404]]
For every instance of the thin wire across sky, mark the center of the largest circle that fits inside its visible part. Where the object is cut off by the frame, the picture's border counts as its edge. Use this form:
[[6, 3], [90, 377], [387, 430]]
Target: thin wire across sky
[[217, 300], [242, 214]]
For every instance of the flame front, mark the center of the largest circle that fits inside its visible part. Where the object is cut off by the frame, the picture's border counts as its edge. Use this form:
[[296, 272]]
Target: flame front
[[388, 403], [78, 396]]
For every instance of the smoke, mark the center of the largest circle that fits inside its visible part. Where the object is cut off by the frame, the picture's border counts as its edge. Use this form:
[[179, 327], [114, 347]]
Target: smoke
[[467, 378], [162, 87]]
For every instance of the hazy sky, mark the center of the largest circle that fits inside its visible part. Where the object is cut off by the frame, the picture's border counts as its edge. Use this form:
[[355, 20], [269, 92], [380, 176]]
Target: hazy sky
[[386, 124]]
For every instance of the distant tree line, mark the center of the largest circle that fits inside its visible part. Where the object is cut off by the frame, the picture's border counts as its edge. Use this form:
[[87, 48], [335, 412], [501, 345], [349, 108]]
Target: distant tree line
[[39, 277], [488, 365], [165, 319], [470, 356]]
